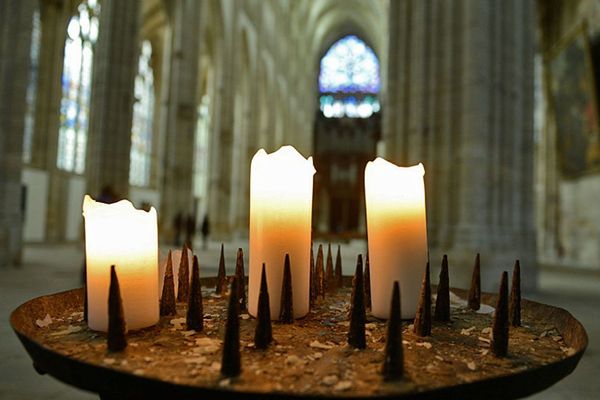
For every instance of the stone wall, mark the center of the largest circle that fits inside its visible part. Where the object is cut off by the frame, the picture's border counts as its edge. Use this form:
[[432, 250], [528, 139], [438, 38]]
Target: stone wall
[[568, 216]]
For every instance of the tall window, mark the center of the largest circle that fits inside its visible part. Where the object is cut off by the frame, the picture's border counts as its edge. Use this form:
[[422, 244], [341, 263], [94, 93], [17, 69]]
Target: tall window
[[82, 33], [34, 52], [201, 148], [143, 113], [349, 80]]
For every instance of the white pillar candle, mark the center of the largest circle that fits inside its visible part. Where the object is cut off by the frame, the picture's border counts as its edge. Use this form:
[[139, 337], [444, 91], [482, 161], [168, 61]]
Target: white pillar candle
[[397, 233], [281, 191], [128, 238]]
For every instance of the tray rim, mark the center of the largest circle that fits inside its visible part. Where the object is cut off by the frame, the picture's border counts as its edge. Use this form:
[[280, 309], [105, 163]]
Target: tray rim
[[94, 377]]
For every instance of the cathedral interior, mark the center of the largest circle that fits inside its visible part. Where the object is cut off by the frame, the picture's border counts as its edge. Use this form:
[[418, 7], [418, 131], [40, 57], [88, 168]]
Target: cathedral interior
[[165, 102]]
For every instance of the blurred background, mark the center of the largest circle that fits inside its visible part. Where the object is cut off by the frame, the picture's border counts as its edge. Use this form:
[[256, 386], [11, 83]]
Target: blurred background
[[165, 102]]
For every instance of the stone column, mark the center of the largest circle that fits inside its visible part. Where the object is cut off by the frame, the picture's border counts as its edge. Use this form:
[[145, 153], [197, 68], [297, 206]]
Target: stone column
[[460, 101], [222, 145], [180, 82], [55, 16], [15, 41], [115, 67]]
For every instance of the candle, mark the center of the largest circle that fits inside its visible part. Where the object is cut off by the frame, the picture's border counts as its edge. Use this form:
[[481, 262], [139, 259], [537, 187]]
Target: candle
[[397, 233], [121, 235], [280, 222]]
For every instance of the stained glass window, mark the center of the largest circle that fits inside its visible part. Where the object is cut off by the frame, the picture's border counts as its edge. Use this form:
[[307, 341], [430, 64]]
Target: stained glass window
[[36, 35], [82, 33], [349, 80], [349, 66], [143, 113]]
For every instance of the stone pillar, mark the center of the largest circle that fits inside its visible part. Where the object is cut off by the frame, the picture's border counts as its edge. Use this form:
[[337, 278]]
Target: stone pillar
[[115, 67], [180, 82], [460, 101], [222, 145], [55, 17], [15, 41]]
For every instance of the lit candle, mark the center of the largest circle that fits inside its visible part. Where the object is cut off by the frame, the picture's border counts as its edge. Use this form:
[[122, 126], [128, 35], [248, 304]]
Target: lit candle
[[121, 235], [397, 233], [281, 193]]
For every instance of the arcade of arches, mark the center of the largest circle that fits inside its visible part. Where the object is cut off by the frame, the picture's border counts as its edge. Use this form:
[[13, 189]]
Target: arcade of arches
[[165, 102]]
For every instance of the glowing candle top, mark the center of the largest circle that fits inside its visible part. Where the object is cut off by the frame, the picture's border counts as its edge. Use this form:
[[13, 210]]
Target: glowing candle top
[[279, 176], [394, 187]]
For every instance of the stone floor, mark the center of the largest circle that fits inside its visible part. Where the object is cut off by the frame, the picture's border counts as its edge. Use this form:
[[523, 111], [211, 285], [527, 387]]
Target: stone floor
[[50, 269]]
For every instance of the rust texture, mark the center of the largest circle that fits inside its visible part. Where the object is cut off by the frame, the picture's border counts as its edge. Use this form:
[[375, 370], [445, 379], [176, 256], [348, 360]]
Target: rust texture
[[168, 305], [241, 277], [422, 324], [222, 274], [515, 296], [195, 314], [499, 343], [263, 335], [442, 302], [339, 279], [474, 298], [329, 278], [116, 340], [393, 363], [183, 283], [231, 363], [356, 333], [320, 272], [286, 311], [367, 282]]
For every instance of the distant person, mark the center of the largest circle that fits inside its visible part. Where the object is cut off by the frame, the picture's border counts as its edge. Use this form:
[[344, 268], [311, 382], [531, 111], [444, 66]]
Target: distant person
[[205, 229], [190, 230]]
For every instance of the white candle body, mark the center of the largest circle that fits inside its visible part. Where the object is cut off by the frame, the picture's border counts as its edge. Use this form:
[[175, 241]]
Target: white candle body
[[128, 238], [397, 233], [280, 222]]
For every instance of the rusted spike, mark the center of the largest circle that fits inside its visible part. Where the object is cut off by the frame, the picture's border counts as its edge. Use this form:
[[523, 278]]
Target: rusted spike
[[356, 333], [286, 311], [241, 276], [263, 335], [499, 343], [339, 279], [195, 313], [231, 363], [167, 300], [422, 324], [329, 279], [515, 296], [222, 274], [183, 283], [475, 290], [393, 363], [442, 302], [320, 272], [367, 282], [116, 340], [312, 280]]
